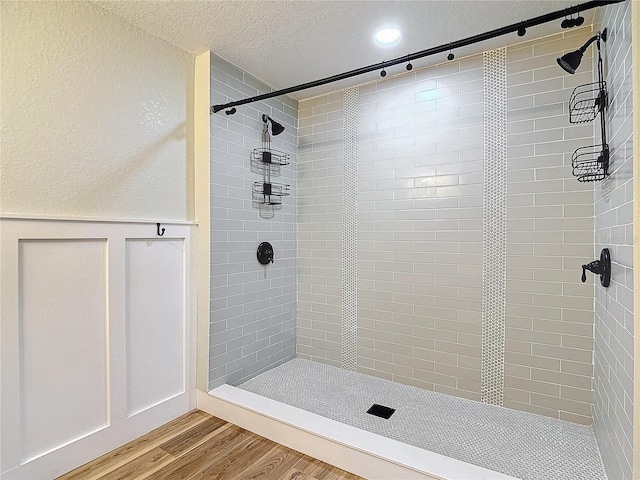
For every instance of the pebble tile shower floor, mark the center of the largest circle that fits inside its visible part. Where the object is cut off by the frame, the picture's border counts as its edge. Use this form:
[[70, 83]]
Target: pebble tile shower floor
[[520, 444]]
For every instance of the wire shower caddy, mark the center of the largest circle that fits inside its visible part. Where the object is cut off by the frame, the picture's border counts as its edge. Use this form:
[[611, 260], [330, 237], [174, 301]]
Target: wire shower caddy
[[268, 161], [591, 163]]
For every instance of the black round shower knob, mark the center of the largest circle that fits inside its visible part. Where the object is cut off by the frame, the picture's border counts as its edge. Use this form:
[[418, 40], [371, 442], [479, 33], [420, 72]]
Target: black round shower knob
[[265, 253]]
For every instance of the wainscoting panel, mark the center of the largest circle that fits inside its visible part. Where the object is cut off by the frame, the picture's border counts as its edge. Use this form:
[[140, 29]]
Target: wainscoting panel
[[155, 320], [62, 299], [96, 344]]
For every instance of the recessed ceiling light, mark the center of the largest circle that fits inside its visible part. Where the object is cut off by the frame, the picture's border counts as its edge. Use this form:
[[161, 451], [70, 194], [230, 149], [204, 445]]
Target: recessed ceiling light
[[388, 36]]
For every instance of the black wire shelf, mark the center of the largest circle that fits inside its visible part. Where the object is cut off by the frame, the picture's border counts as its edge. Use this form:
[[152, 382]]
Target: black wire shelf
[[590, 164], [586, 102], [269, 156], [269, 193]]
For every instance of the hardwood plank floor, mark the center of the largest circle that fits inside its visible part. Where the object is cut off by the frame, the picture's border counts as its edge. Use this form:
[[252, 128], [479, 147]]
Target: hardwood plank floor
[[200, 446]]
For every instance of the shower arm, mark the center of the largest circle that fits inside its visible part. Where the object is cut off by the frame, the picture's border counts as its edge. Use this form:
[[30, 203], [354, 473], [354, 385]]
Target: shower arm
[[516, 27]]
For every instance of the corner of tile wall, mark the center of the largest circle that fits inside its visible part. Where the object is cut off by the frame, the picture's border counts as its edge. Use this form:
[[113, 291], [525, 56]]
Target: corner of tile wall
[[614, 317]]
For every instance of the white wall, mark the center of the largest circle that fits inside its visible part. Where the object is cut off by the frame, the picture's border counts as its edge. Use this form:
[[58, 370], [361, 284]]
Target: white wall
[[94, 115]]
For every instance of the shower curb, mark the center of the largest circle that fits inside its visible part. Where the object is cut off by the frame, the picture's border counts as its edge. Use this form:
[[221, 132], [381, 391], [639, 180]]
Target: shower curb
[[357, 451]]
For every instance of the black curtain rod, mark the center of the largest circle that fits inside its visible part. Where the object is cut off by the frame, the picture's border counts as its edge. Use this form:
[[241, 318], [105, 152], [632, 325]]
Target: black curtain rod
[[549, 17]]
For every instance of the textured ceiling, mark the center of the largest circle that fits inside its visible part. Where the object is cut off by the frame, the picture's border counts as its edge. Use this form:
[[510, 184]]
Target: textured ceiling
[[286, 43]]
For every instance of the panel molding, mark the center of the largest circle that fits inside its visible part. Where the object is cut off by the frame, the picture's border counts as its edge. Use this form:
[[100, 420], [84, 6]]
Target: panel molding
[[69, 451], [155, 317], [93, 220], [62, 319]]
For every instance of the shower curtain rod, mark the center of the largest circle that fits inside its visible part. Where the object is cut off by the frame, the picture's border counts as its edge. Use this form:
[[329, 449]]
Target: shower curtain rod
[[516, 27]]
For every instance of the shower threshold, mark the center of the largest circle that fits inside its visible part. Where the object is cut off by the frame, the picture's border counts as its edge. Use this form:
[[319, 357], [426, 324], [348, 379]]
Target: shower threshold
[[431, 435]]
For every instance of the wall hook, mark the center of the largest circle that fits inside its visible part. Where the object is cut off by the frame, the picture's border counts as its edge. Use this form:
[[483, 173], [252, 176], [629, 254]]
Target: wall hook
[[160, 232]]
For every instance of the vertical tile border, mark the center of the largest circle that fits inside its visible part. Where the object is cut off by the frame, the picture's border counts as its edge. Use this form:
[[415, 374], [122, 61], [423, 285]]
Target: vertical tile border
[[350, 231], [494, 226]]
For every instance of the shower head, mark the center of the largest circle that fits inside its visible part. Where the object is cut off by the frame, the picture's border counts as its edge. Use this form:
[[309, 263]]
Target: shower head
[[276, 128], [571, 61]]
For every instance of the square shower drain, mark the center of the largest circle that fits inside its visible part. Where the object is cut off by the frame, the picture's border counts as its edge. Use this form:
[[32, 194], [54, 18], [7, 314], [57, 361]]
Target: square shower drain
[[381, 411]]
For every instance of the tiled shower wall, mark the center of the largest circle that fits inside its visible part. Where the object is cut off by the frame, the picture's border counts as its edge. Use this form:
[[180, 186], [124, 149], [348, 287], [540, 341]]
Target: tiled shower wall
[[549, 322], [613, 355], [320, 175], [253, 307], [420, 231], [420, 228]]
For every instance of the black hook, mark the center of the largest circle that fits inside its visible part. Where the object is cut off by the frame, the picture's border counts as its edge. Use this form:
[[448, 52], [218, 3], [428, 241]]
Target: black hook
[[160, 232], [567, 22]]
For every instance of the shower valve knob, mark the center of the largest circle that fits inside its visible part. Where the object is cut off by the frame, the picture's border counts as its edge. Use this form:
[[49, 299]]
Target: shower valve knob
[[265, 253], [600, 267], [593, 267]]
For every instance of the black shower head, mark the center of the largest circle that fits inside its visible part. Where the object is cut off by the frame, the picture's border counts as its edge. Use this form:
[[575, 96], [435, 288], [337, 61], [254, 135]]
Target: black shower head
[[571, 61], [276, 128]]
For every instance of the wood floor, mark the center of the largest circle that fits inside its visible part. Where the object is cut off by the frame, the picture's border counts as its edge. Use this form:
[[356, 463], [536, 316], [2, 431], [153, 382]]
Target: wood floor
[[200, 446]]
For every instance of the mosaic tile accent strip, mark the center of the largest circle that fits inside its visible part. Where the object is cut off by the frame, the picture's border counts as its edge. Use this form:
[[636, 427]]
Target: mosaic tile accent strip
[[520, 444], [494, 234], [350, 231]]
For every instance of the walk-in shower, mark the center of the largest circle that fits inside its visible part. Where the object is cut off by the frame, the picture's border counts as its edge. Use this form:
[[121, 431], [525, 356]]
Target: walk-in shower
[[432, 254]]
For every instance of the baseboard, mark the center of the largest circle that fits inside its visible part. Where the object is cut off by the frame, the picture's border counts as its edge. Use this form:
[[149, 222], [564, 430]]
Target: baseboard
[[357, 451]]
